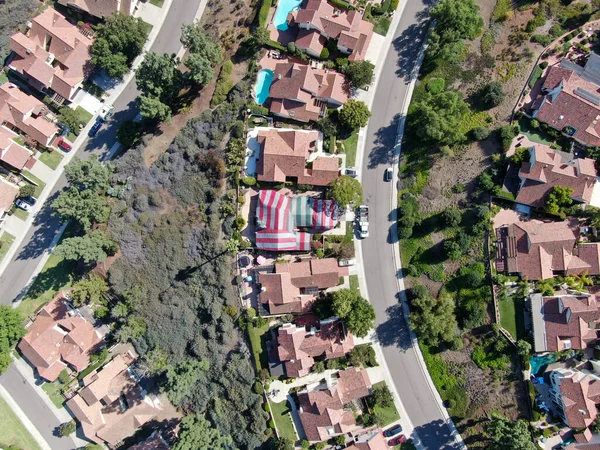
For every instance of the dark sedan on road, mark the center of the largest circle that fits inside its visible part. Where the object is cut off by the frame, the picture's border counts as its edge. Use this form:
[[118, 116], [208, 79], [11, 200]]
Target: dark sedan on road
[[392, 431], [95, 128]]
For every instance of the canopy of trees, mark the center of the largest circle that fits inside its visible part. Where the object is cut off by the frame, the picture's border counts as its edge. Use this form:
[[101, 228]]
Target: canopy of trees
[[347, 191], [354, 114], [559, 199], [359, 73], [507, 434], [432, 319], [197, 433], [11, 330], [347, 304]]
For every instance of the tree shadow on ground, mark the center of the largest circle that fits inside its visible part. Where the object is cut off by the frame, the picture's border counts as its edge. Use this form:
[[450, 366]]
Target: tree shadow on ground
[[383, 151], [393, 332], [408, 46], [436, 434]]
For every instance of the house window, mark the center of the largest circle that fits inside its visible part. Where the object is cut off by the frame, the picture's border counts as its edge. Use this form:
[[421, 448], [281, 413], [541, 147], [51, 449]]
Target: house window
[[567, 344]]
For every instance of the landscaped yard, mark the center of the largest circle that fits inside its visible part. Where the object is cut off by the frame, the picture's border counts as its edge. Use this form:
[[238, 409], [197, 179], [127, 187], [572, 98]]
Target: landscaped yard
[[350, 145], [257, 341], [84, 117], [12, 430], [158, 3], [6, 239], [382, 26], [283, 420], [534, 135], [54, 393], [57, 274], [40, 184], [387, 415], [51, 159], [511, 316], [21, 214], [354, 282]]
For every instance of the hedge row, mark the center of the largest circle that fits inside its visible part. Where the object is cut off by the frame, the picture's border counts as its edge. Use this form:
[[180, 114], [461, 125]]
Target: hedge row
[[263, 13]]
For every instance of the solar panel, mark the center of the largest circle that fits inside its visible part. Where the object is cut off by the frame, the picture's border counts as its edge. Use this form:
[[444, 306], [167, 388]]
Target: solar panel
[[588, 96]]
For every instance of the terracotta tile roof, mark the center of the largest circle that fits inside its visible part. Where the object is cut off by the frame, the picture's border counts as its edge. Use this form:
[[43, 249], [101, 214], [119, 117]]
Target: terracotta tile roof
[[567, 319], [549, 169], [284, 154], [298, 348], [310, 40], [12, 153], [22, 111], [322, 412], [371, 439], [154, 442], [56, 339], [111, 405], [70, 63], [574, 388], [98, 8], [8, 193]]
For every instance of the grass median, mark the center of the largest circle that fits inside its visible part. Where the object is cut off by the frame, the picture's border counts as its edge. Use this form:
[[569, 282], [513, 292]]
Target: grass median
[[12, 430]]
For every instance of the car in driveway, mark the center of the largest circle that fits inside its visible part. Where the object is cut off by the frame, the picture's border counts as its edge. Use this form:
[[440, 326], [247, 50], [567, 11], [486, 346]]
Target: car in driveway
[[397, 441], [389, 174], [95, 128], [64, 145], [346, 262], [23, 205], [30, 200], [392, 431]]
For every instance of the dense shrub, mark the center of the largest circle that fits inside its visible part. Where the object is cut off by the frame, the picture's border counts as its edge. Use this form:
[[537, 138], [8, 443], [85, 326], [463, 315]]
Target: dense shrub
[[492, 94], [542, 39], [436, 85], [324, 53], [224, 84], [480, 133], [507, 134]]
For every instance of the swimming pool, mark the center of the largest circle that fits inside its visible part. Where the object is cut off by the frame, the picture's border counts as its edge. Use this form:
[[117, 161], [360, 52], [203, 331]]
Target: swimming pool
[[539, 362], [284, 7], [263, 85]]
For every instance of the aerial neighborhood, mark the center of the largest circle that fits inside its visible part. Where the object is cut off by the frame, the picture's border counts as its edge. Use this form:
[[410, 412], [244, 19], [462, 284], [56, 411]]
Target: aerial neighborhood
[[299, 224]]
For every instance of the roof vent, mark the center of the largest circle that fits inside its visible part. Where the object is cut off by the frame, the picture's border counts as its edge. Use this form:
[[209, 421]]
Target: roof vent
[[279, 76], [28, 51], [561, 117]]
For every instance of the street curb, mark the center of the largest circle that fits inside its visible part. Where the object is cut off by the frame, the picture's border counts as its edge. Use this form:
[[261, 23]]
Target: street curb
[[37, 436]]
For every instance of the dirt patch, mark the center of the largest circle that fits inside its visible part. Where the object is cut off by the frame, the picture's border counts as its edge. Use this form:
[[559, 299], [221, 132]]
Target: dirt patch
[[228, 20]]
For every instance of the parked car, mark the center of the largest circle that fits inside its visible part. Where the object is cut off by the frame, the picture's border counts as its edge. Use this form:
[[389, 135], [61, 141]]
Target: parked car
[[392, 431], [30, 200], [95, 128], [389, 174], [397, 441], [23, 205], [351, 171], [63, 145], [346, 262]]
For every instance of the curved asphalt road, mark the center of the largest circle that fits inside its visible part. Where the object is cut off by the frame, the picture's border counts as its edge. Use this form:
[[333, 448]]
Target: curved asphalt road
[[377, 250]]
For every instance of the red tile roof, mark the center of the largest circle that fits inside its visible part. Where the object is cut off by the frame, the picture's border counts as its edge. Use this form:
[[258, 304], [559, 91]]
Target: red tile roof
[[549, 169], [56, 339], [298, 348], [567, 319], [322, 412], [100, 8], [12, 153], [579, 394], [371, 439], [8, 193], [284, 154]]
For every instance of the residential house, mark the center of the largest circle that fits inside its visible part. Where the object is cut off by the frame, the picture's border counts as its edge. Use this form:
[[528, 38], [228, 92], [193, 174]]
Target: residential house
[[576, 394], [8, 193], [12, 153], [295, 155], [323, 412], [111, 405], [27, 114], [584, 441], [370, 439], [294, 287], [319, 21], [570, 100], [547, 169], [156, 441], [101, 8], [279, 219], [303, 92], [53, 56], [564, 321], [299, 347], [537, 250], [59, 338]]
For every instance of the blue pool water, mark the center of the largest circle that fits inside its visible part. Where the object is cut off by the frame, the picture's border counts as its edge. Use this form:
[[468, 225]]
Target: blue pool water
[[284, 7], [263, 85], [538, 362]]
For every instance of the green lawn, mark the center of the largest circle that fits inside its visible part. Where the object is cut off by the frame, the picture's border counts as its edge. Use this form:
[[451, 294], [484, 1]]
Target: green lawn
[[387, 415], [19, 141], [51, 159], [257, 342], [158, 3], [283, 420], [21, 214], [12, 431], [382, 26], [354, 282], [3, 77], [511, 317], [54, 393], [350, 145], [83, 117], [534, 135], [40, 184], [57, 274], [6, 239]]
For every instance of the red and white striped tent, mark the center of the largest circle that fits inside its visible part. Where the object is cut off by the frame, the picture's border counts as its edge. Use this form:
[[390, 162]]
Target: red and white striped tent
[[279, 241], [273, 211]]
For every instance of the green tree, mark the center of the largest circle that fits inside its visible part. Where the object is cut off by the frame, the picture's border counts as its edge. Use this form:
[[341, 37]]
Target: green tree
[[159, 81], [360, 73], [11, 330], [508, 434], [85, 207], [340, 440], [382, 396], [492, 94], [196, 433], [523, 347], [89, 174], [458, 17], [432, 319], [118, 41], [480, 133], [357, 313], [180, 379], [284, 443], [89, 291], [68, 117], [559, 199], [197, 41], [319, 367], [201, 70], [486, 182], [153, 108], [347, 191], [354, 114], [67, 428], [91, 248], [452, 217], [27, 190], [129, 133], [262, 36], [133, 329], [154, 362], [437, 118]]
